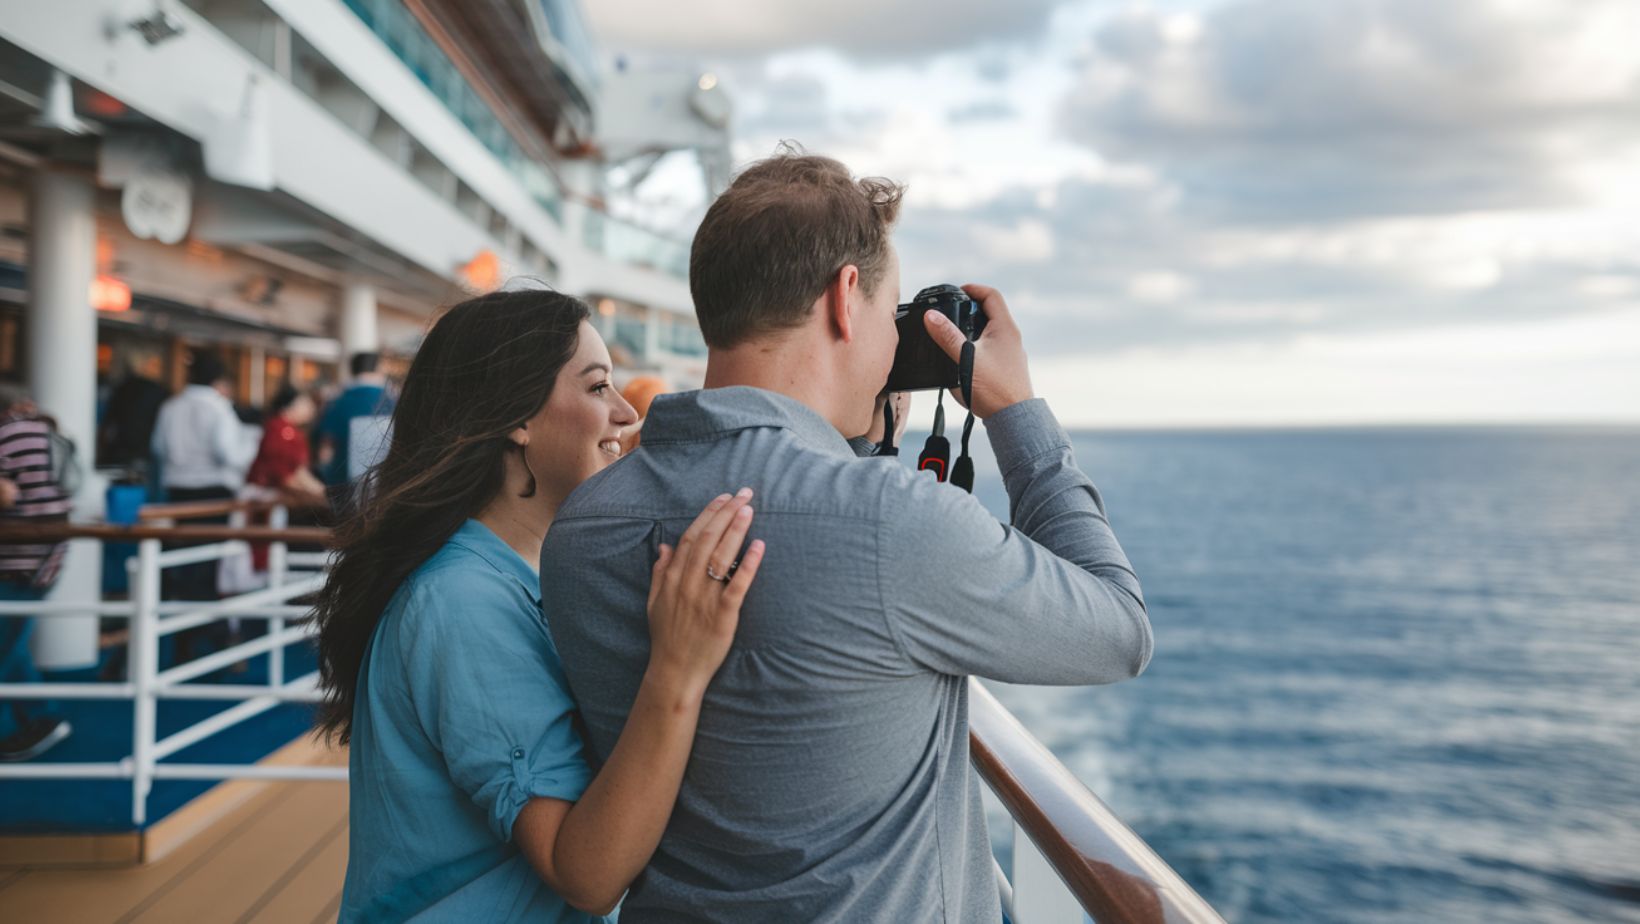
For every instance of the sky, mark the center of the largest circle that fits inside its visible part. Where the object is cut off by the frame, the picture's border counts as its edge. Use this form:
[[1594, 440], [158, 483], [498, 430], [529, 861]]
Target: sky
[[1229, 212]]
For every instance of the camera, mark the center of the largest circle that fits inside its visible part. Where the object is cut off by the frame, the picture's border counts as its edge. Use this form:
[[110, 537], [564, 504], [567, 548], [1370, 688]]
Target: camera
[[919, 363]]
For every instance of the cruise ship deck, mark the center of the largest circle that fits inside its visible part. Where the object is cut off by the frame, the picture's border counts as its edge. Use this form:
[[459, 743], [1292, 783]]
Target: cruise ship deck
[[278, 855], [286, 185]]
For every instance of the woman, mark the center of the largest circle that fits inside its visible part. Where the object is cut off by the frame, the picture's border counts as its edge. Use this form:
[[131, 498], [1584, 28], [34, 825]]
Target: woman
[[281, 465], [282, 459], [471, 797]]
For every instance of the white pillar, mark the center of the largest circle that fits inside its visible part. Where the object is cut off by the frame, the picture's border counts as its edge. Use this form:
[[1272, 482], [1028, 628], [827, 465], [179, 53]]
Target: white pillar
[[358, 332], [62, 363]]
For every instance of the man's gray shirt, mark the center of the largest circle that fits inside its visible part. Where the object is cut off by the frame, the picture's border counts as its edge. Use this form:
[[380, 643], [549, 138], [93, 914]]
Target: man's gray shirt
[[829, 779]]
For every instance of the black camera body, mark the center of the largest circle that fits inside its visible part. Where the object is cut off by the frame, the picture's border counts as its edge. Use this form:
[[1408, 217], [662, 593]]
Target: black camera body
[[919, 363]]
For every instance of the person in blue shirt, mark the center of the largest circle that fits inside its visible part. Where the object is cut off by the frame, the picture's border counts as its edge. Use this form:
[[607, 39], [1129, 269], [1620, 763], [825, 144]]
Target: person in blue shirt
[[471, 795], [365, 396]]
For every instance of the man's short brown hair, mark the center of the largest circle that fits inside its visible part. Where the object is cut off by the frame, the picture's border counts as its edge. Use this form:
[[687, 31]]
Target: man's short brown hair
[[774, 240]]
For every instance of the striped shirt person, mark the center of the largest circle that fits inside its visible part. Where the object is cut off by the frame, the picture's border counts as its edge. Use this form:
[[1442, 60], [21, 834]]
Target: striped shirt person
[[33, 465], [26, 461]]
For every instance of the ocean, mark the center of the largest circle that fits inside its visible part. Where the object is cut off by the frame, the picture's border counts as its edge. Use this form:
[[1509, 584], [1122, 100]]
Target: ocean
[[1397, 671]]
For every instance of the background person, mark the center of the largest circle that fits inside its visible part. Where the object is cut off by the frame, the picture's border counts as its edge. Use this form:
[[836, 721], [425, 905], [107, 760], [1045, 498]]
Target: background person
[[471, 799], [202, 448], [282, 459], [32, 490], [203, 452], [365, 396], [127, 430], [281, 469]]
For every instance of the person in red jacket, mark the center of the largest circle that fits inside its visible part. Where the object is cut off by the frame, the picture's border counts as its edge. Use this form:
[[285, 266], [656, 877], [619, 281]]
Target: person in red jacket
[[282, 460]]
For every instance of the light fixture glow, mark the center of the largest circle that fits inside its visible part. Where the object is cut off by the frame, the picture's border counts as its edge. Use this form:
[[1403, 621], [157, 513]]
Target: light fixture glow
[[110, 293]]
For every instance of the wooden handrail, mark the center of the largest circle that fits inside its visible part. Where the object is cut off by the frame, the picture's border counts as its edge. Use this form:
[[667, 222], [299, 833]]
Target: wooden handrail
[[1113, 873], [194, 510], [30, 533]]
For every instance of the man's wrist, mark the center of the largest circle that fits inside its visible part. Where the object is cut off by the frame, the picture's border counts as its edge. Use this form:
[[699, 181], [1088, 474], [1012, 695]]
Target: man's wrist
[[1005, 404]]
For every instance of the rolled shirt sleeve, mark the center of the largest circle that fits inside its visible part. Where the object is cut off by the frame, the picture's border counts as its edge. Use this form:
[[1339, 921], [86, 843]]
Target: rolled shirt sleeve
[[1051, 599], [491, 697]]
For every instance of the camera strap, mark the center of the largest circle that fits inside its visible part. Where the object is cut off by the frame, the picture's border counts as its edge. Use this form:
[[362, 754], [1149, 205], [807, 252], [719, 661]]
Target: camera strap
[[887, 447], [936, 454], [962, 473]]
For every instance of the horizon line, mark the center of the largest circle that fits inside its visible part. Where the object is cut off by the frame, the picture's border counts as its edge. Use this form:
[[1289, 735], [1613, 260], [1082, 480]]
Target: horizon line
[[1524, 424]]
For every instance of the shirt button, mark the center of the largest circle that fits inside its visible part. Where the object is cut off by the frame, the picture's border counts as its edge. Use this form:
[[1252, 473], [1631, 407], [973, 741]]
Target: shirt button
[[518, 753]]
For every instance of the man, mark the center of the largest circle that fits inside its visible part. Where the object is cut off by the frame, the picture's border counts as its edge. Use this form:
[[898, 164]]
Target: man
[[127, 428], [203, 453], [34, 465], [365, 397], [830, 777]]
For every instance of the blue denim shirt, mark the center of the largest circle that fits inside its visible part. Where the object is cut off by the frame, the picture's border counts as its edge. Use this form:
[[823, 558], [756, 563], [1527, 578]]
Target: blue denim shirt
[[829, 780], [462, 717]]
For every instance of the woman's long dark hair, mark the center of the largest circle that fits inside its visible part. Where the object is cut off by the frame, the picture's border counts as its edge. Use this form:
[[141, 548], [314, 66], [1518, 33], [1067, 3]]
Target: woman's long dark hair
[[486, 367]]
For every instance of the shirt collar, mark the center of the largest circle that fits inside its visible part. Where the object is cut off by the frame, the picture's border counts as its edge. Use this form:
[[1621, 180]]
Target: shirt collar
[[477, 538], [695, 415]]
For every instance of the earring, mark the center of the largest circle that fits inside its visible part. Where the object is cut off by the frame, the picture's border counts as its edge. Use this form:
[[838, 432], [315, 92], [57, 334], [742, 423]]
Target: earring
[[524, 457]]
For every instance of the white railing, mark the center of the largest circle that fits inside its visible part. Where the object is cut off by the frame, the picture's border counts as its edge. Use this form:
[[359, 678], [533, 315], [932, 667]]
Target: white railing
[[290, 576]]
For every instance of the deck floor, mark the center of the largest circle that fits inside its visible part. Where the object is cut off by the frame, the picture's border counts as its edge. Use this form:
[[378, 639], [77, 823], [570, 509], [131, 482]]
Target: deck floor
[[279, 857]]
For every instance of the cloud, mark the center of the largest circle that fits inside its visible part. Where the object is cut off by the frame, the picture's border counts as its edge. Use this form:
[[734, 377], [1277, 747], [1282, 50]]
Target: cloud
[[1279, 110], [1028, 241], [1609, 286], [1347, 210], [860, 28], [1130, 268], [787, 105], [1158, 286], [1574, 369], [982, 111]]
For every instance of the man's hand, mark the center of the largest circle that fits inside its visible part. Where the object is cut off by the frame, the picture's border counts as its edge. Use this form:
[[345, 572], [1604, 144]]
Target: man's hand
[[9, 492], [1002, 377]]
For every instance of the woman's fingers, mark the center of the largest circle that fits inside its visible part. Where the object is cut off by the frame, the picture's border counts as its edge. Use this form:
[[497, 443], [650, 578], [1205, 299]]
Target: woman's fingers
[[721, 559], [734, 593], [687, 540], [693, 617], [693, 563]]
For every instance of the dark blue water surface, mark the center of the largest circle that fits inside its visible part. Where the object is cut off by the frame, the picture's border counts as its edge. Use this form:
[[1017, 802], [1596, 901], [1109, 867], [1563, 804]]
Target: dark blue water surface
[[1397, 672]]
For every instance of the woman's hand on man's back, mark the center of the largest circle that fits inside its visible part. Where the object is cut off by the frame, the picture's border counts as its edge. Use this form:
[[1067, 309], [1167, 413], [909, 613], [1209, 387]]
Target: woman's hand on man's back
[[695, 595]]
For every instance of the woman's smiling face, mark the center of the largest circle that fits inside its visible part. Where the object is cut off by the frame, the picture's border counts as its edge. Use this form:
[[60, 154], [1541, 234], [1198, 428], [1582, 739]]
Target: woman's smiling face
[[577, 432]]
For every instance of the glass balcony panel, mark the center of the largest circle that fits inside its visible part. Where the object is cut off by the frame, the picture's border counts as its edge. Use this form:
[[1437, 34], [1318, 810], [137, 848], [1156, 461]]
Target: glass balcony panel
[[629, 243], [630, 334], [398, 29], [571, 34]]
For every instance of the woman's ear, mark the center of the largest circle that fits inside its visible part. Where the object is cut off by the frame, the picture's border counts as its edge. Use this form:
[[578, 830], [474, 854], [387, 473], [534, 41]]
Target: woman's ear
[[520, 436]]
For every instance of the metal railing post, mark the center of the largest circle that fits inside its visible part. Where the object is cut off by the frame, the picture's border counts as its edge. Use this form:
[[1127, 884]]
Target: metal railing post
[[278, 564], [144, 659]]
